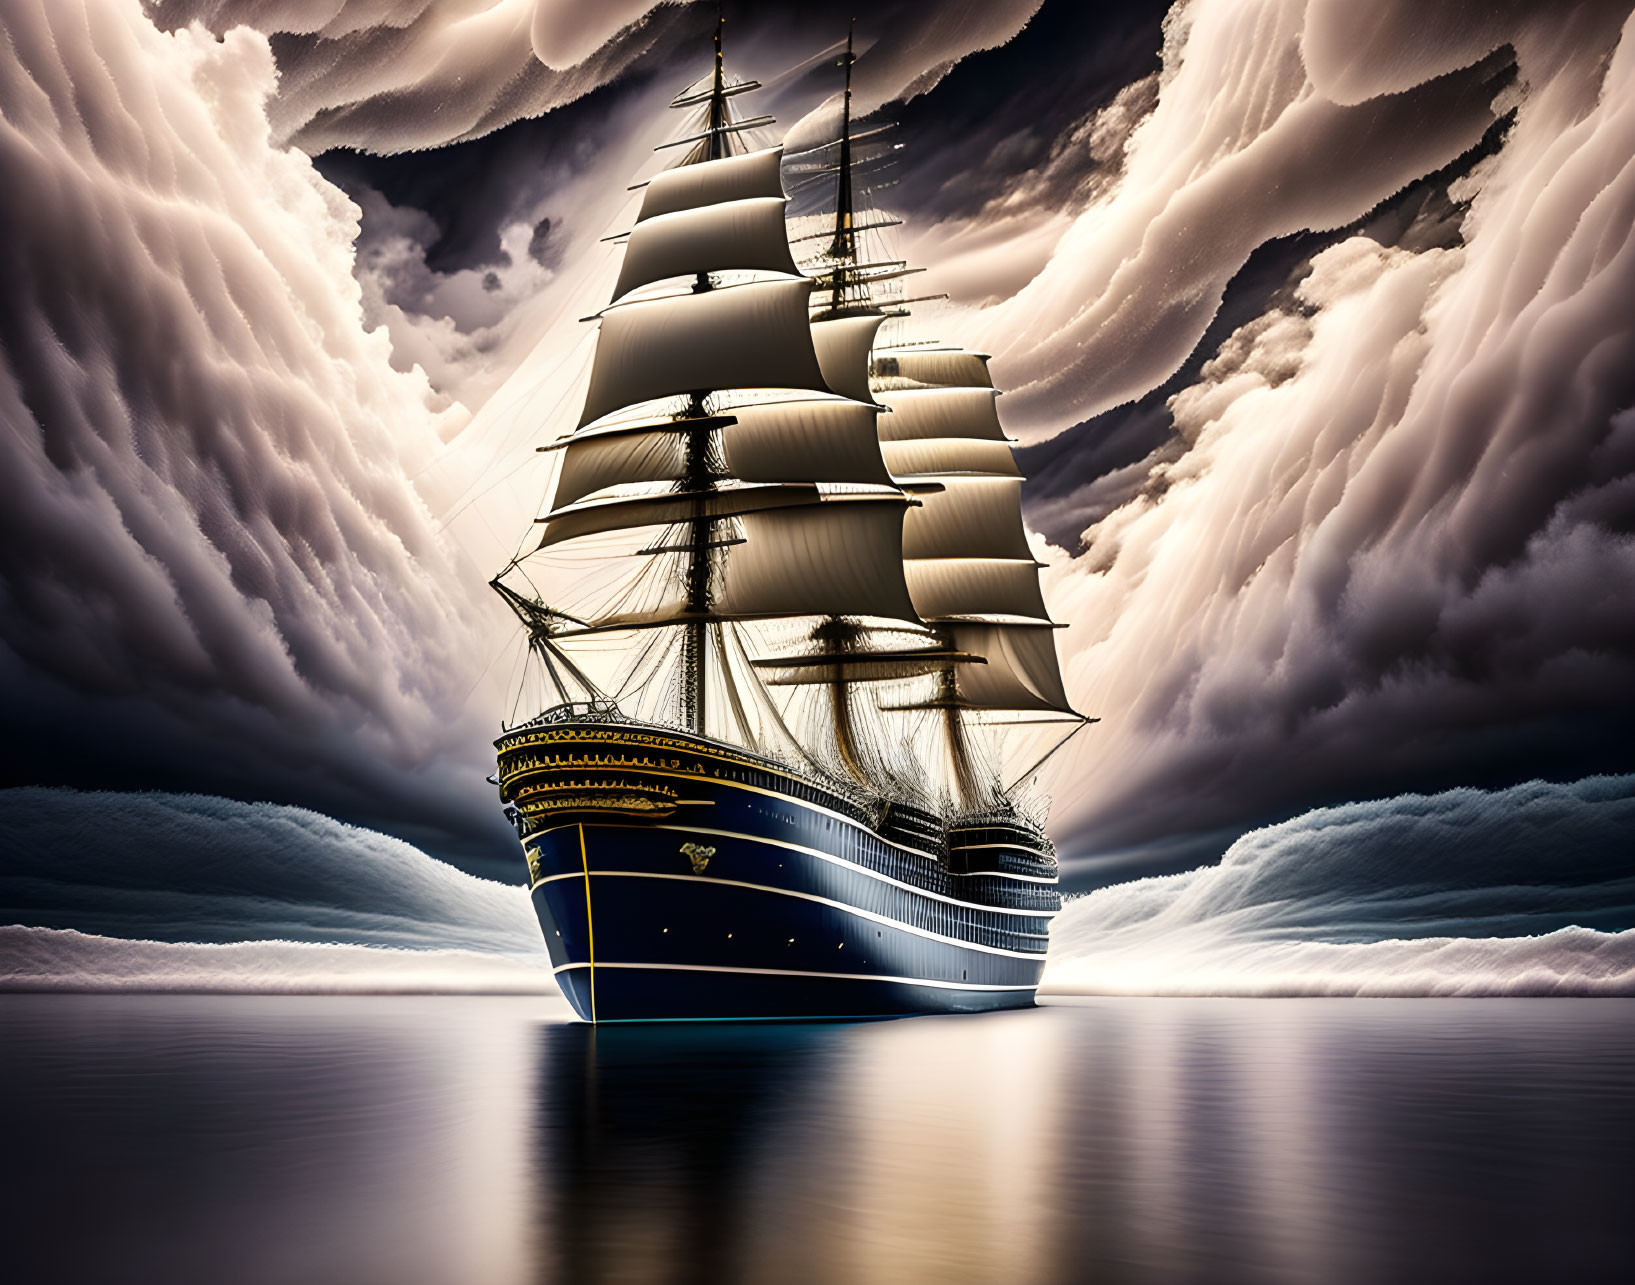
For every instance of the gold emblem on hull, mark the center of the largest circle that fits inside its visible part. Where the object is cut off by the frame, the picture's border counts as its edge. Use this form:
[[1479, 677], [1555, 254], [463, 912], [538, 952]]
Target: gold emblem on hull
[[698, 855]]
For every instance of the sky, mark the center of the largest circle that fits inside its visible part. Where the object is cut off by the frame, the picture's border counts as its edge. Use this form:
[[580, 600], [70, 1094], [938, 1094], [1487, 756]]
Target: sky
[[1312, 317]]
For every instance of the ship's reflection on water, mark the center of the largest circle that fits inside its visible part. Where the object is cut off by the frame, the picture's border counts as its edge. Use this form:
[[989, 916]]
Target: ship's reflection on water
[[903, 1150], [1213, 1141], [469, 1141]]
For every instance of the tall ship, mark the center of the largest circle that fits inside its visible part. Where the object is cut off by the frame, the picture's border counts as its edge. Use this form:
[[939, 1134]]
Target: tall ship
[[784, 615]]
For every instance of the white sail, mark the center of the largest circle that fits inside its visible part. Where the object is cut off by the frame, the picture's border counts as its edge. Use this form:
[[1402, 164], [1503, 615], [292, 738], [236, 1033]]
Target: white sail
[[940, 412], [746, 235], [927, 457], [1022, 672], [597, 462], [808, 440], [843, 345], [932, 367], [972, 517], [749, 336], [838, 558], [814, 558], [963, 588], [732, 178], [595, 517]]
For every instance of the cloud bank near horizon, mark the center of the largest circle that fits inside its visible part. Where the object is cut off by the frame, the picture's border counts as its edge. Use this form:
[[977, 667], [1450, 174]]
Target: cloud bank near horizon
[[214, 566], [1526, 891], [193, 868]]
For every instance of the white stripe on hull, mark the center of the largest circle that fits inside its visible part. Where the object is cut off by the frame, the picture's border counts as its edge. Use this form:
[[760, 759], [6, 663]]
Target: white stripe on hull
[[870, 915], [791, 972], [811, 852]]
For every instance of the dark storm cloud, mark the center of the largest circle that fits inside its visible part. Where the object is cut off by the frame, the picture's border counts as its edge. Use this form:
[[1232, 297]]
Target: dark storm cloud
[[458, 291], [397, 75], [1033, 111], [213, 570], [1392, 550]]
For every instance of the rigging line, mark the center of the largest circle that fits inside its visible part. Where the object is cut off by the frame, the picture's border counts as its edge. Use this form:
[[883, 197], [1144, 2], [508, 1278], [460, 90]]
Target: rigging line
[[518, 682], [512, 400], [766, 700], [444, 522], [504, 646], [734, 700], [1050, 753], [465, 499]]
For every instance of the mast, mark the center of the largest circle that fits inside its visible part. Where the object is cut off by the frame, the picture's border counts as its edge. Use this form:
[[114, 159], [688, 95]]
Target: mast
[[969, 569], [699, 478], [834, 631], [844, 246], [773, 505]]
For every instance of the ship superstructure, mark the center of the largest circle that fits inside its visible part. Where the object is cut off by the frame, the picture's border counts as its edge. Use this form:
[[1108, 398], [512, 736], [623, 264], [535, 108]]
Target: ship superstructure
[[807, 550]]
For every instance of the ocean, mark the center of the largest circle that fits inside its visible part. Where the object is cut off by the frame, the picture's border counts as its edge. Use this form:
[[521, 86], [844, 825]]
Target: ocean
[[423, 1140]]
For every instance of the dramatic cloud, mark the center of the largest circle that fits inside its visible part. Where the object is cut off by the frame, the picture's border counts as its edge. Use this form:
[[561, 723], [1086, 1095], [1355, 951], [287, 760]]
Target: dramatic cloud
[[213, 567], [193, 868], [1463, 893], [395, 75], [1389, 545], [1370, 537], [1240, 148]]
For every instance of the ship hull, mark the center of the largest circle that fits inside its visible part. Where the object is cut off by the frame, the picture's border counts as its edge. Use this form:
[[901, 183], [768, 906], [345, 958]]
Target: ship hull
[[744, 893]]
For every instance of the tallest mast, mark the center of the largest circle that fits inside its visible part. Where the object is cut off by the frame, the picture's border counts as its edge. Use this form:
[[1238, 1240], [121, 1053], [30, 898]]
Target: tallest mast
[[700, 475], [718, 97], [844, 245]]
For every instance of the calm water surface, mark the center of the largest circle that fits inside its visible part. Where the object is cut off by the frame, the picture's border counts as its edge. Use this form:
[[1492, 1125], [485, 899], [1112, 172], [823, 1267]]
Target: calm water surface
[[181, 1139]]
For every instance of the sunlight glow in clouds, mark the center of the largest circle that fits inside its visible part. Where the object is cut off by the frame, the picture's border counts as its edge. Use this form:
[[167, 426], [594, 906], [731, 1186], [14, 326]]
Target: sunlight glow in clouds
[[208, 526], [1387, 540], [1395, 539]]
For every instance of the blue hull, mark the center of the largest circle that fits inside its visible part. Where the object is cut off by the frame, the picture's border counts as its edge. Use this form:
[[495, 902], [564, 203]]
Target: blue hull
[[747, 893]]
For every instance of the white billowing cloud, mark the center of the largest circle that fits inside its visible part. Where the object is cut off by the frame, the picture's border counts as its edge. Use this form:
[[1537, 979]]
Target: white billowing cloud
[[908, 55], [566, 32], [208, 526], [1398, 541], [1241, 147], [1460, 893], [397, 75]]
